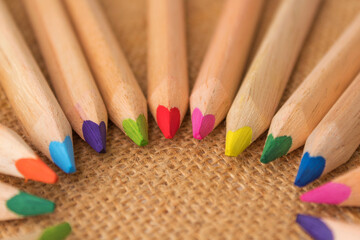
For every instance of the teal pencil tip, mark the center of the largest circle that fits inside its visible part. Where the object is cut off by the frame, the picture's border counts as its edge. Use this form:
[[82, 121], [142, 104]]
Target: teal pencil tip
[[62, 154], [275, 148], [57, 232], [25, 204]]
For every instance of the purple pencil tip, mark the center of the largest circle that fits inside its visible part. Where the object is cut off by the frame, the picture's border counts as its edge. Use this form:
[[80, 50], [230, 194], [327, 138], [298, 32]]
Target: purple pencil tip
[[95, 135], [315, 227]]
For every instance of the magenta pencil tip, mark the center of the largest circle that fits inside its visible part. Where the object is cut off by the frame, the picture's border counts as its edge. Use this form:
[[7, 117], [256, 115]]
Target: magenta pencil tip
[[201, 125]]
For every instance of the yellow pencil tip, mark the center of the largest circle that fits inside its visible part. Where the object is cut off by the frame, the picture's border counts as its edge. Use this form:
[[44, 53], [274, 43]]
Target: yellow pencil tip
[[238, 141]]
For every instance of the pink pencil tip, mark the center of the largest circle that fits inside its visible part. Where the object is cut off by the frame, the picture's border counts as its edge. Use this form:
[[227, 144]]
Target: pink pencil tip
[[329, 193], [202, 125]]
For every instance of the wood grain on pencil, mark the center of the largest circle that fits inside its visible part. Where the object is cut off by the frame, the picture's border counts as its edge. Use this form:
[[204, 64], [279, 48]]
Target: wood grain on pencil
[[334, 140], [19, 160], [122, 95], [31, 97], [259, 95], [224, 62], [71, 77], [168, 91], [300, 114]]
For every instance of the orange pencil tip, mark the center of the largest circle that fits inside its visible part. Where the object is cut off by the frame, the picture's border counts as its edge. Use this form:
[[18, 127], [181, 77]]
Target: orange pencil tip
[[35, 169]]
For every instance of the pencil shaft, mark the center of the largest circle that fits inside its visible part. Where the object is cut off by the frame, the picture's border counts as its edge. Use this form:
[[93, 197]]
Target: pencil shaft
[[338, 135], [31, 97], [265, 81], [70, 75], [224, 62], [300, 114], [167, 68], [122, 95]]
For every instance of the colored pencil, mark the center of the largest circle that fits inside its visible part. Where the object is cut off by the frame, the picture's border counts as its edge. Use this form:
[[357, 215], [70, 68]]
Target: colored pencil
[[122, 95], [259, 95], [71, 77], [31, 98], [223, 66], [16, 204], [342, 191], [328, 229], [334, 140], [58, 232], [300, 114], [19, 160], [168, 90]]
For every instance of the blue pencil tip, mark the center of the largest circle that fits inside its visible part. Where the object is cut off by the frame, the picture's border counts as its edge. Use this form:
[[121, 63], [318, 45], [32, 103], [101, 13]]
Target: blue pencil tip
[[95, 135], [315, 227], [310, 169], [62, 154]]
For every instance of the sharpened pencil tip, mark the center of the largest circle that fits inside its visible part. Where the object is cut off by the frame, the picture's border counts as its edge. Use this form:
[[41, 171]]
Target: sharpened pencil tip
[[310, 169], [275, 148], [58, 232], [137, 130], [62, 154], [95, 135], [168, 120], [35, 169], [314, 226], [329, 193], [25, 204], [201, 125], [238, 141]]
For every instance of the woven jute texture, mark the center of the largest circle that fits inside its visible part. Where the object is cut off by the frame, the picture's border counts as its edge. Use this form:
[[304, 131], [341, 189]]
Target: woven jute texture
[[181, 188]]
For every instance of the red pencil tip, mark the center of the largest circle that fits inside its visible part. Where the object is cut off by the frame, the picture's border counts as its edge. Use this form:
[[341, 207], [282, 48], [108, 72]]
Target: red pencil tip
[[168, 121], [35, 169]]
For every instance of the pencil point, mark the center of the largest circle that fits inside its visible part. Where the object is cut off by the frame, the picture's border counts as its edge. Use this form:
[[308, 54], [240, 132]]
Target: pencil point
[[95, 135], [62, 154], [329, 193], [137, 131], [310, 169], [238, 141], [315, 227], [58, 232], [202, 125], [25, 204], [168, 120], [35, 169], [275, 148]]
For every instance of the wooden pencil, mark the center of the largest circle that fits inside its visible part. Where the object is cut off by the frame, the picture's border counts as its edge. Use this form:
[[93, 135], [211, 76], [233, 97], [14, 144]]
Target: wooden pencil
[[122, 95], [342, 191], [168, 91], [71, 77], [58, 232], [224, 62], [19, 160], [31, 97], [300, 114], [328, 229], [16, 204], [334, 140], [259, 95]]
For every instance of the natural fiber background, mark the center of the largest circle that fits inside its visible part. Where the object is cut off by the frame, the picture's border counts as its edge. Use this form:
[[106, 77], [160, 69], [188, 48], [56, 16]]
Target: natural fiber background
[[181, 188]]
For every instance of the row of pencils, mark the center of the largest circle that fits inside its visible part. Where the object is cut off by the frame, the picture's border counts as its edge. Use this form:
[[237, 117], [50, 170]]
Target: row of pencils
[[92, 79]]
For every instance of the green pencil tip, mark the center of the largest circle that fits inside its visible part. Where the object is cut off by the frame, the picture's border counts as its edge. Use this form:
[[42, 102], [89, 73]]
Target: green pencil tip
[[275, 148], [137, 131], [25, 204], [57, 232]]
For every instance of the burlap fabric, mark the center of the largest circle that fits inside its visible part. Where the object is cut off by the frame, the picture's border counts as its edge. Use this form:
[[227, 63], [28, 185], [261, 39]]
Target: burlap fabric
[[181, 188]]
